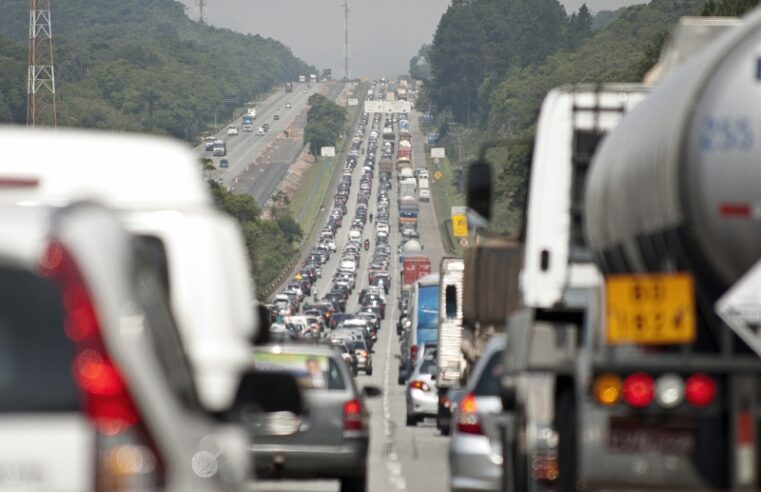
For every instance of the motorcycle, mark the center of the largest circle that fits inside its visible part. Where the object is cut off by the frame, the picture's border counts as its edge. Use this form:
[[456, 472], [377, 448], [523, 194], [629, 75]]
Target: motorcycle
[[367, 244]]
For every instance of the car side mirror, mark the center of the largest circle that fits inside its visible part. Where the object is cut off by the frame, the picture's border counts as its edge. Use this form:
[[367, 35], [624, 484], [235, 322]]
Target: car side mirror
[[371, 391], [479, 188], [262, 337]]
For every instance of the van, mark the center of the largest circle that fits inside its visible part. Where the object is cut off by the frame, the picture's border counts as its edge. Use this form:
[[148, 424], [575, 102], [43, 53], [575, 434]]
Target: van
[[211, 301]]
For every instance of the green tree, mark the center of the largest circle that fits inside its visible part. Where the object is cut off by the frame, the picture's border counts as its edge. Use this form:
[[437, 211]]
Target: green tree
[[325, 122], [731, 8]]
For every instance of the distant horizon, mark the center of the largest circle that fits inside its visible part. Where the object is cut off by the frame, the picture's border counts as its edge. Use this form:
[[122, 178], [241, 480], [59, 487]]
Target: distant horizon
[[381, 41]]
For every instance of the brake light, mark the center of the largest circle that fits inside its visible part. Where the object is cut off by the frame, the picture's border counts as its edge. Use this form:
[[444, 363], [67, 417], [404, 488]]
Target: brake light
[[468, 421], [354, 418], [700, 390], [639, 390], [127, 458], [420, 385], [413, 352]]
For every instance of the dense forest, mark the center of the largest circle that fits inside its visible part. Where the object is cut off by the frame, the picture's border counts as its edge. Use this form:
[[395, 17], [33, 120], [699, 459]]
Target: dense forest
[[493, 61], [140, 65]]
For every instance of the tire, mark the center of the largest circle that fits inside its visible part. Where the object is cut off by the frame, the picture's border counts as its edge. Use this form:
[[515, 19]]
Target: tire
[[412, 421], [400, 379], [369, 372], [566, 420], [354, 484]]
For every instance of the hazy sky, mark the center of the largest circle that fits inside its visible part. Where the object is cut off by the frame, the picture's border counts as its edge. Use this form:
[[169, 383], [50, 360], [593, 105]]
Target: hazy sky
[[384, 34]]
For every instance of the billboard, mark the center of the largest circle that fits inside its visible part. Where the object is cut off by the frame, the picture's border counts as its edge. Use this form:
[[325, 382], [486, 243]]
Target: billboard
[[328, 151]]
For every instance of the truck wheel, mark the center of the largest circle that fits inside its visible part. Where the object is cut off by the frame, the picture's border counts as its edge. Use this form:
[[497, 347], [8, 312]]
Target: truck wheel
[[354, 484], [369, 372], [566, 424], [411, 421]]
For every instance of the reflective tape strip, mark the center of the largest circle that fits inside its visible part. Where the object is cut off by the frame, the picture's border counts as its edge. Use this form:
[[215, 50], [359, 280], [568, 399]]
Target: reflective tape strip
[[740, 210]]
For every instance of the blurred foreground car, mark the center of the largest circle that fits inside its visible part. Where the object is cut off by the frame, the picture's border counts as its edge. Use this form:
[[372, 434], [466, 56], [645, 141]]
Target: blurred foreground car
[[475, 452], [155, 187], [329, 437], [96, 393]]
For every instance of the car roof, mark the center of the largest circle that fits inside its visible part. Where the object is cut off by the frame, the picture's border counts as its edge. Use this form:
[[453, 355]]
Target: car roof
[[124, 172]]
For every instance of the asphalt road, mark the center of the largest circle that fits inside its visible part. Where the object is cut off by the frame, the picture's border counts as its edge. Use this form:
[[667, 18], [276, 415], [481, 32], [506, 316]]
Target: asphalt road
[[245, 150], [401, 458]]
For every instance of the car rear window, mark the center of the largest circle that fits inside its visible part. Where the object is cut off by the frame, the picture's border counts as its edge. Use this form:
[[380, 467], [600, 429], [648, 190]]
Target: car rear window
[[35, 354], [313, 372], [428, 367], [489, 384]]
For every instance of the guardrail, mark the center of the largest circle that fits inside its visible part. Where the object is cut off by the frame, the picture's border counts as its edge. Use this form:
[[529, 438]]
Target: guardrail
[[309, 239], [447, 235]]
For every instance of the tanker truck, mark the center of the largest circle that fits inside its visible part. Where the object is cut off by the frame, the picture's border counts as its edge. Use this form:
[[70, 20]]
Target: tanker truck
[[647, 375], [669, 393]]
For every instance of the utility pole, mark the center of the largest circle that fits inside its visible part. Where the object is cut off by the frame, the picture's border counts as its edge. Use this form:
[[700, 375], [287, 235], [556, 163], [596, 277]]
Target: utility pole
[[346, 41], [202, 11], [40, 87]]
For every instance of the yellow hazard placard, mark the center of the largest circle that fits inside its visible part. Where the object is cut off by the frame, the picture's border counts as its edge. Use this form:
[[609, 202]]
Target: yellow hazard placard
[[460, 225], [654, 309]]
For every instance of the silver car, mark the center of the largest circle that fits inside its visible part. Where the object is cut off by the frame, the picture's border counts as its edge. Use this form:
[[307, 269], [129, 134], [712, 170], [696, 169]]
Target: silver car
[[96, 390], [475, 450], [422, 394], [330, 438]]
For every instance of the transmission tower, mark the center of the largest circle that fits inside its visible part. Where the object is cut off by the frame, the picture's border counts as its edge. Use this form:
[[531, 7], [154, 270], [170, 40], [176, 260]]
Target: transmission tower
[[346, 40], [202, 11], [41, 95]]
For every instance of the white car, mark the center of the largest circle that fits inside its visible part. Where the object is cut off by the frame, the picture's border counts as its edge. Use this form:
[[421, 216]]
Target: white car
[[232, 130], [287, 105], [260, 131], [211, 301], [422, 394], [109, 399], [382, 227]]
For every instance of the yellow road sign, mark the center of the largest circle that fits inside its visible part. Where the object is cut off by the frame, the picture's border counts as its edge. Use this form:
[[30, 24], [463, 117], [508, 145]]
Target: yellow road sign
[[437, 175], [654, 309], [460, 225]]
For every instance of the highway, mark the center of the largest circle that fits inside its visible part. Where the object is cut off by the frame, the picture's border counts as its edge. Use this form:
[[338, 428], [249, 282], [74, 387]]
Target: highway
[[257, 163], [401, 458]]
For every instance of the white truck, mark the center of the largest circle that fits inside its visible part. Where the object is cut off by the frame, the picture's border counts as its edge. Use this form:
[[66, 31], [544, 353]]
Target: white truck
[[449, 359]]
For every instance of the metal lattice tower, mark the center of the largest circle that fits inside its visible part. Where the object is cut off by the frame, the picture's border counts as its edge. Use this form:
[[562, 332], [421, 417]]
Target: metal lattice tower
[[202, 11], [346, 40], [41, 93]]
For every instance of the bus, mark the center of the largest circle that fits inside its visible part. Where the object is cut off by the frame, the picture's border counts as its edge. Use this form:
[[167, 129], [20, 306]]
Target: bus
[[424, 315]]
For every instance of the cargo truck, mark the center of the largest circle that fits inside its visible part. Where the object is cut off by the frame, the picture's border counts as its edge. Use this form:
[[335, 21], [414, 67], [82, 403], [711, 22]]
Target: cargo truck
[[675, 248], [449, 359], [408, 211], [219, 148], [558, 281], [289, 87], [248, 123], [385, 169], [407, 188]]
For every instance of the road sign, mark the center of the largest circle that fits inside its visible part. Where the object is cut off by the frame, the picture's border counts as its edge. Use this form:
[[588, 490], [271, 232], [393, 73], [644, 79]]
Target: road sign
[[373, 106], [328, 151], [459, 210], [460, 225], [352, 102], [232, 100], [654, 309], [437, 175], [464, 242], [438, 152]]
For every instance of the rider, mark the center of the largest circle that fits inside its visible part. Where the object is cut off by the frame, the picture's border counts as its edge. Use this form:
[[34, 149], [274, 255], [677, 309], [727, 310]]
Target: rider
[[371, 217], [367, 244]]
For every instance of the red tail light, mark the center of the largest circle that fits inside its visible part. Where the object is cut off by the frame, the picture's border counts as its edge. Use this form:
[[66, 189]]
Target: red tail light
[[468, 421], [639, 390], [354, 418], [700, 390], [107, 400], [420, 385], [413, 352]]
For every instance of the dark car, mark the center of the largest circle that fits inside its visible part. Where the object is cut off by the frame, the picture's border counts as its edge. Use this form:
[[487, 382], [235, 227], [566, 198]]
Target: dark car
[[327, 438]]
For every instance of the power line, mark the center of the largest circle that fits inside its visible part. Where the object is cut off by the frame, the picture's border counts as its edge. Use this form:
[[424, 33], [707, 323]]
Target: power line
[[40, 88]]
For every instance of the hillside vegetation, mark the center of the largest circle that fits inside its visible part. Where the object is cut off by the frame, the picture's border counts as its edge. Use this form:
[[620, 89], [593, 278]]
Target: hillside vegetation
[[493, 61], [140, 65]]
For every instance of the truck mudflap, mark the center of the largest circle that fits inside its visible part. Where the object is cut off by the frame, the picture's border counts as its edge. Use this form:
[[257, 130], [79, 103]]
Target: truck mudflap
[[711, 445]]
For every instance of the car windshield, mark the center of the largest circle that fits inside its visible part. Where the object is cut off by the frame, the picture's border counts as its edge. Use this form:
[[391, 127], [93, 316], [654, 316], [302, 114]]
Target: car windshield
[[428, 366]]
